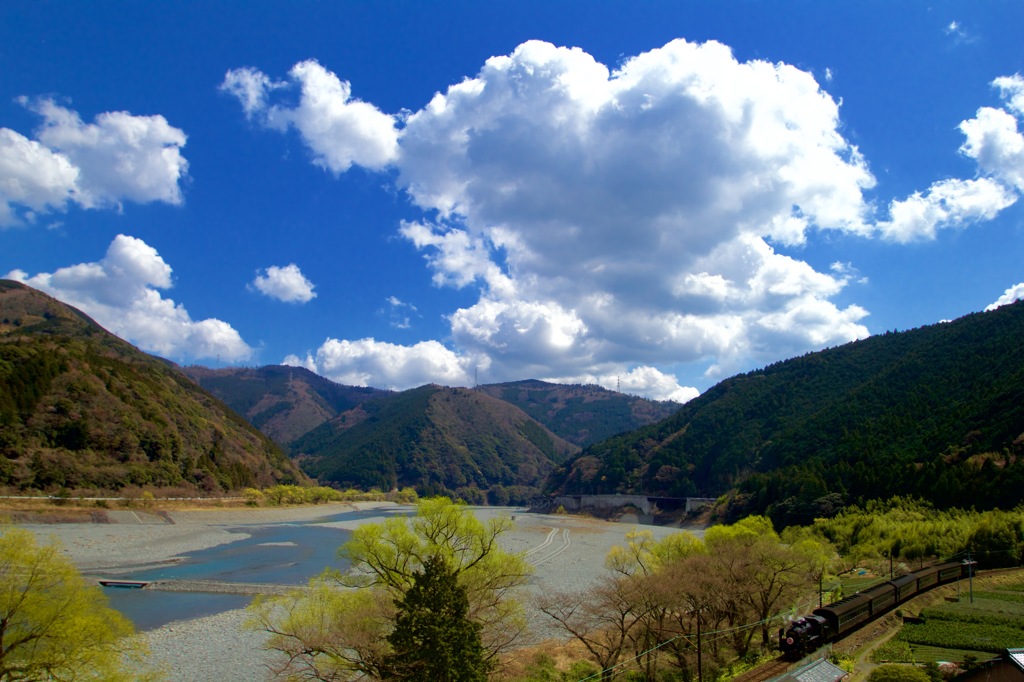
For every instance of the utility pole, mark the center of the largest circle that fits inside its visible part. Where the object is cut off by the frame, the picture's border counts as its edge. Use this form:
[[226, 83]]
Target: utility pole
[[700, 671], [970, 573]]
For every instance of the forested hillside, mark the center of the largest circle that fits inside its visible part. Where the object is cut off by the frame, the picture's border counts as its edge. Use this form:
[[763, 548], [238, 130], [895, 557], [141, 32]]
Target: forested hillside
[[936, 412], [79, 408], [453, 441], [287, 402], [581, 414], [282, 402]]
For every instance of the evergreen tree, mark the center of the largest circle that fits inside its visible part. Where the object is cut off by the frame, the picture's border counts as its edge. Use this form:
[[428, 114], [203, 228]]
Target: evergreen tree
[[433, 641]]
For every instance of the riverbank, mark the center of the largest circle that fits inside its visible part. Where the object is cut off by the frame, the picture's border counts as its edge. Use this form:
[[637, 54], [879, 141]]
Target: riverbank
[[217, 647], [567, 553], [129, 540]]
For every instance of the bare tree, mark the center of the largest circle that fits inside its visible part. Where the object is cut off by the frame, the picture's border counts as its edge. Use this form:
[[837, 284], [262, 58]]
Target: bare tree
[[601, 619]]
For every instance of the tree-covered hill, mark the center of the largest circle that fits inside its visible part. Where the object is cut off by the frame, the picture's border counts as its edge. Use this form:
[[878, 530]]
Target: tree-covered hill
[[935, 412], [282, 402], [80, 408], [581, 414], [288, 402], [438, 440]]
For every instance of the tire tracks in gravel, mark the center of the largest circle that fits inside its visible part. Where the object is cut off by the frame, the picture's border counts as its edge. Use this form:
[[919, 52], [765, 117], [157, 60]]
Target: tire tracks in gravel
[[548, 541]]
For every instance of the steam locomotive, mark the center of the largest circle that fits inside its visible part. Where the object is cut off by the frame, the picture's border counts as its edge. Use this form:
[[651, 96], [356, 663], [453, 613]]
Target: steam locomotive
[[835, 621]]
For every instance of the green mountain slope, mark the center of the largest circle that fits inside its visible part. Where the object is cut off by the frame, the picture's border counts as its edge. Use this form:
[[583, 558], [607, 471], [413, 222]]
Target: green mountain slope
[[583, 415], [282, 402], [438, 440], [936, 412], [79, 408]]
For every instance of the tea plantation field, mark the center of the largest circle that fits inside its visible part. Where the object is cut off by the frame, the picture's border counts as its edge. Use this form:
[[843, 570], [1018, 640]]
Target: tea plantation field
[[960, 631]]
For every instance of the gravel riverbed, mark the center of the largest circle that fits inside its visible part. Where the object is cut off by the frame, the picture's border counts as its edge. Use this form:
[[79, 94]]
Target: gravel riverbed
[[567, 553]]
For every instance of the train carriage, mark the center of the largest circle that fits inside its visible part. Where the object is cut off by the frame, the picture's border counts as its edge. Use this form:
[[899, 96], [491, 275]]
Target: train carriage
[[950, 572], [846, 614], [881, 598], [835, 621], [906, 587], [927, 578]]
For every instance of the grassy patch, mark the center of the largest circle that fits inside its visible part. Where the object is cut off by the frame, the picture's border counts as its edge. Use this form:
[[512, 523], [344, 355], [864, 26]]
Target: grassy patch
[[982, 612], [954, 635], [895, 651], [1007, 595]]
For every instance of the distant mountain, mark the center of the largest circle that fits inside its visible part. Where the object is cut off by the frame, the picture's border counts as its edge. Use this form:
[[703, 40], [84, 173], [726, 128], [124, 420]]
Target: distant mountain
[[80, 408], [581, 414], [282, 402], [453, 441], [285, 403], [936, 412]]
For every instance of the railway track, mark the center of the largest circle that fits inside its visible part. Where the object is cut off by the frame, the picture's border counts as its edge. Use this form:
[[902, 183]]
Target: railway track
[[765, 671]]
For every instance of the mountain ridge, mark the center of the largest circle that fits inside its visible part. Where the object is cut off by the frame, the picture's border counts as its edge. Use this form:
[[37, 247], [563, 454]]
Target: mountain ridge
[[936, 412], [283, 401], [83, 409], [440, 440], [581, 413]]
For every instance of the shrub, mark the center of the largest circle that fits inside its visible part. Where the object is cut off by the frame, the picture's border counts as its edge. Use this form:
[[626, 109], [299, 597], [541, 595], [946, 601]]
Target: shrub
[[898, 673]]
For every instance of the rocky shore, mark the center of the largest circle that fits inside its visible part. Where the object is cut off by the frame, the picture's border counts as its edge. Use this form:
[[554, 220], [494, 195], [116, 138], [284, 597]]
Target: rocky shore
[[217, 647], [567, 553]]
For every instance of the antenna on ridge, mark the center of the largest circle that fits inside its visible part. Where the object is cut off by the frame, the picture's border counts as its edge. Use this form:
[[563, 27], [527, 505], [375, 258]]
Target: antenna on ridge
[[618, 384], [476, 383]]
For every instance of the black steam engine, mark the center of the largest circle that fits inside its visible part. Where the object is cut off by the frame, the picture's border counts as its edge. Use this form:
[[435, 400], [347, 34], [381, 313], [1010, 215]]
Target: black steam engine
[[835, 621]]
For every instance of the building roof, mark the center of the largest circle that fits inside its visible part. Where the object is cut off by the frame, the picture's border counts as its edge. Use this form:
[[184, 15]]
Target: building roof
[[1016, 656], [819, 671]]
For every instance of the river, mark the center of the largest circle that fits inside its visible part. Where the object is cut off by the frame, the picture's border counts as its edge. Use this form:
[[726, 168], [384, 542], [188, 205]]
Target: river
[[279, 553]]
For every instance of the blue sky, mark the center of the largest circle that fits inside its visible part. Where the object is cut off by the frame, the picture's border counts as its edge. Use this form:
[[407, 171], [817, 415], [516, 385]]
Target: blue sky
[[651, 195]]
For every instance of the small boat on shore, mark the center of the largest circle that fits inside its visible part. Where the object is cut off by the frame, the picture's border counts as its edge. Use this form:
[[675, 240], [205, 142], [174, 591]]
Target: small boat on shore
[[125, 584]]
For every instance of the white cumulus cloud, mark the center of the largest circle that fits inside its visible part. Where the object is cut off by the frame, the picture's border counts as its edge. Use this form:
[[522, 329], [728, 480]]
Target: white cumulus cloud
[[337, 129], [619, 221], [367, 362], [33, 177], [1011, 88], [1014, 293], [285, 283], [947, 204], [121, 292], [993, 140], [119, 157], [617, 215]]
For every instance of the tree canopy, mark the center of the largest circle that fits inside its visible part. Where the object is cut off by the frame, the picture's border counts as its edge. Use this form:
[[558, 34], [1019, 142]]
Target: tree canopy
[[338, 628], [661, 594], [935, 412], [52, 624]]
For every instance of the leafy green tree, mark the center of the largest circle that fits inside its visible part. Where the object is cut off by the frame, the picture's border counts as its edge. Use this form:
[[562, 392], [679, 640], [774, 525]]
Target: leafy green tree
[[661, 594], [333, 632], [386, 555], [998, 539], [53, 625], [433, 641], [768, 574]]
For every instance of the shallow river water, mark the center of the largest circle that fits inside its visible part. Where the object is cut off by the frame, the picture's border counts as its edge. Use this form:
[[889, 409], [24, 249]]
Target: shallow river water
[[280, 553]]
